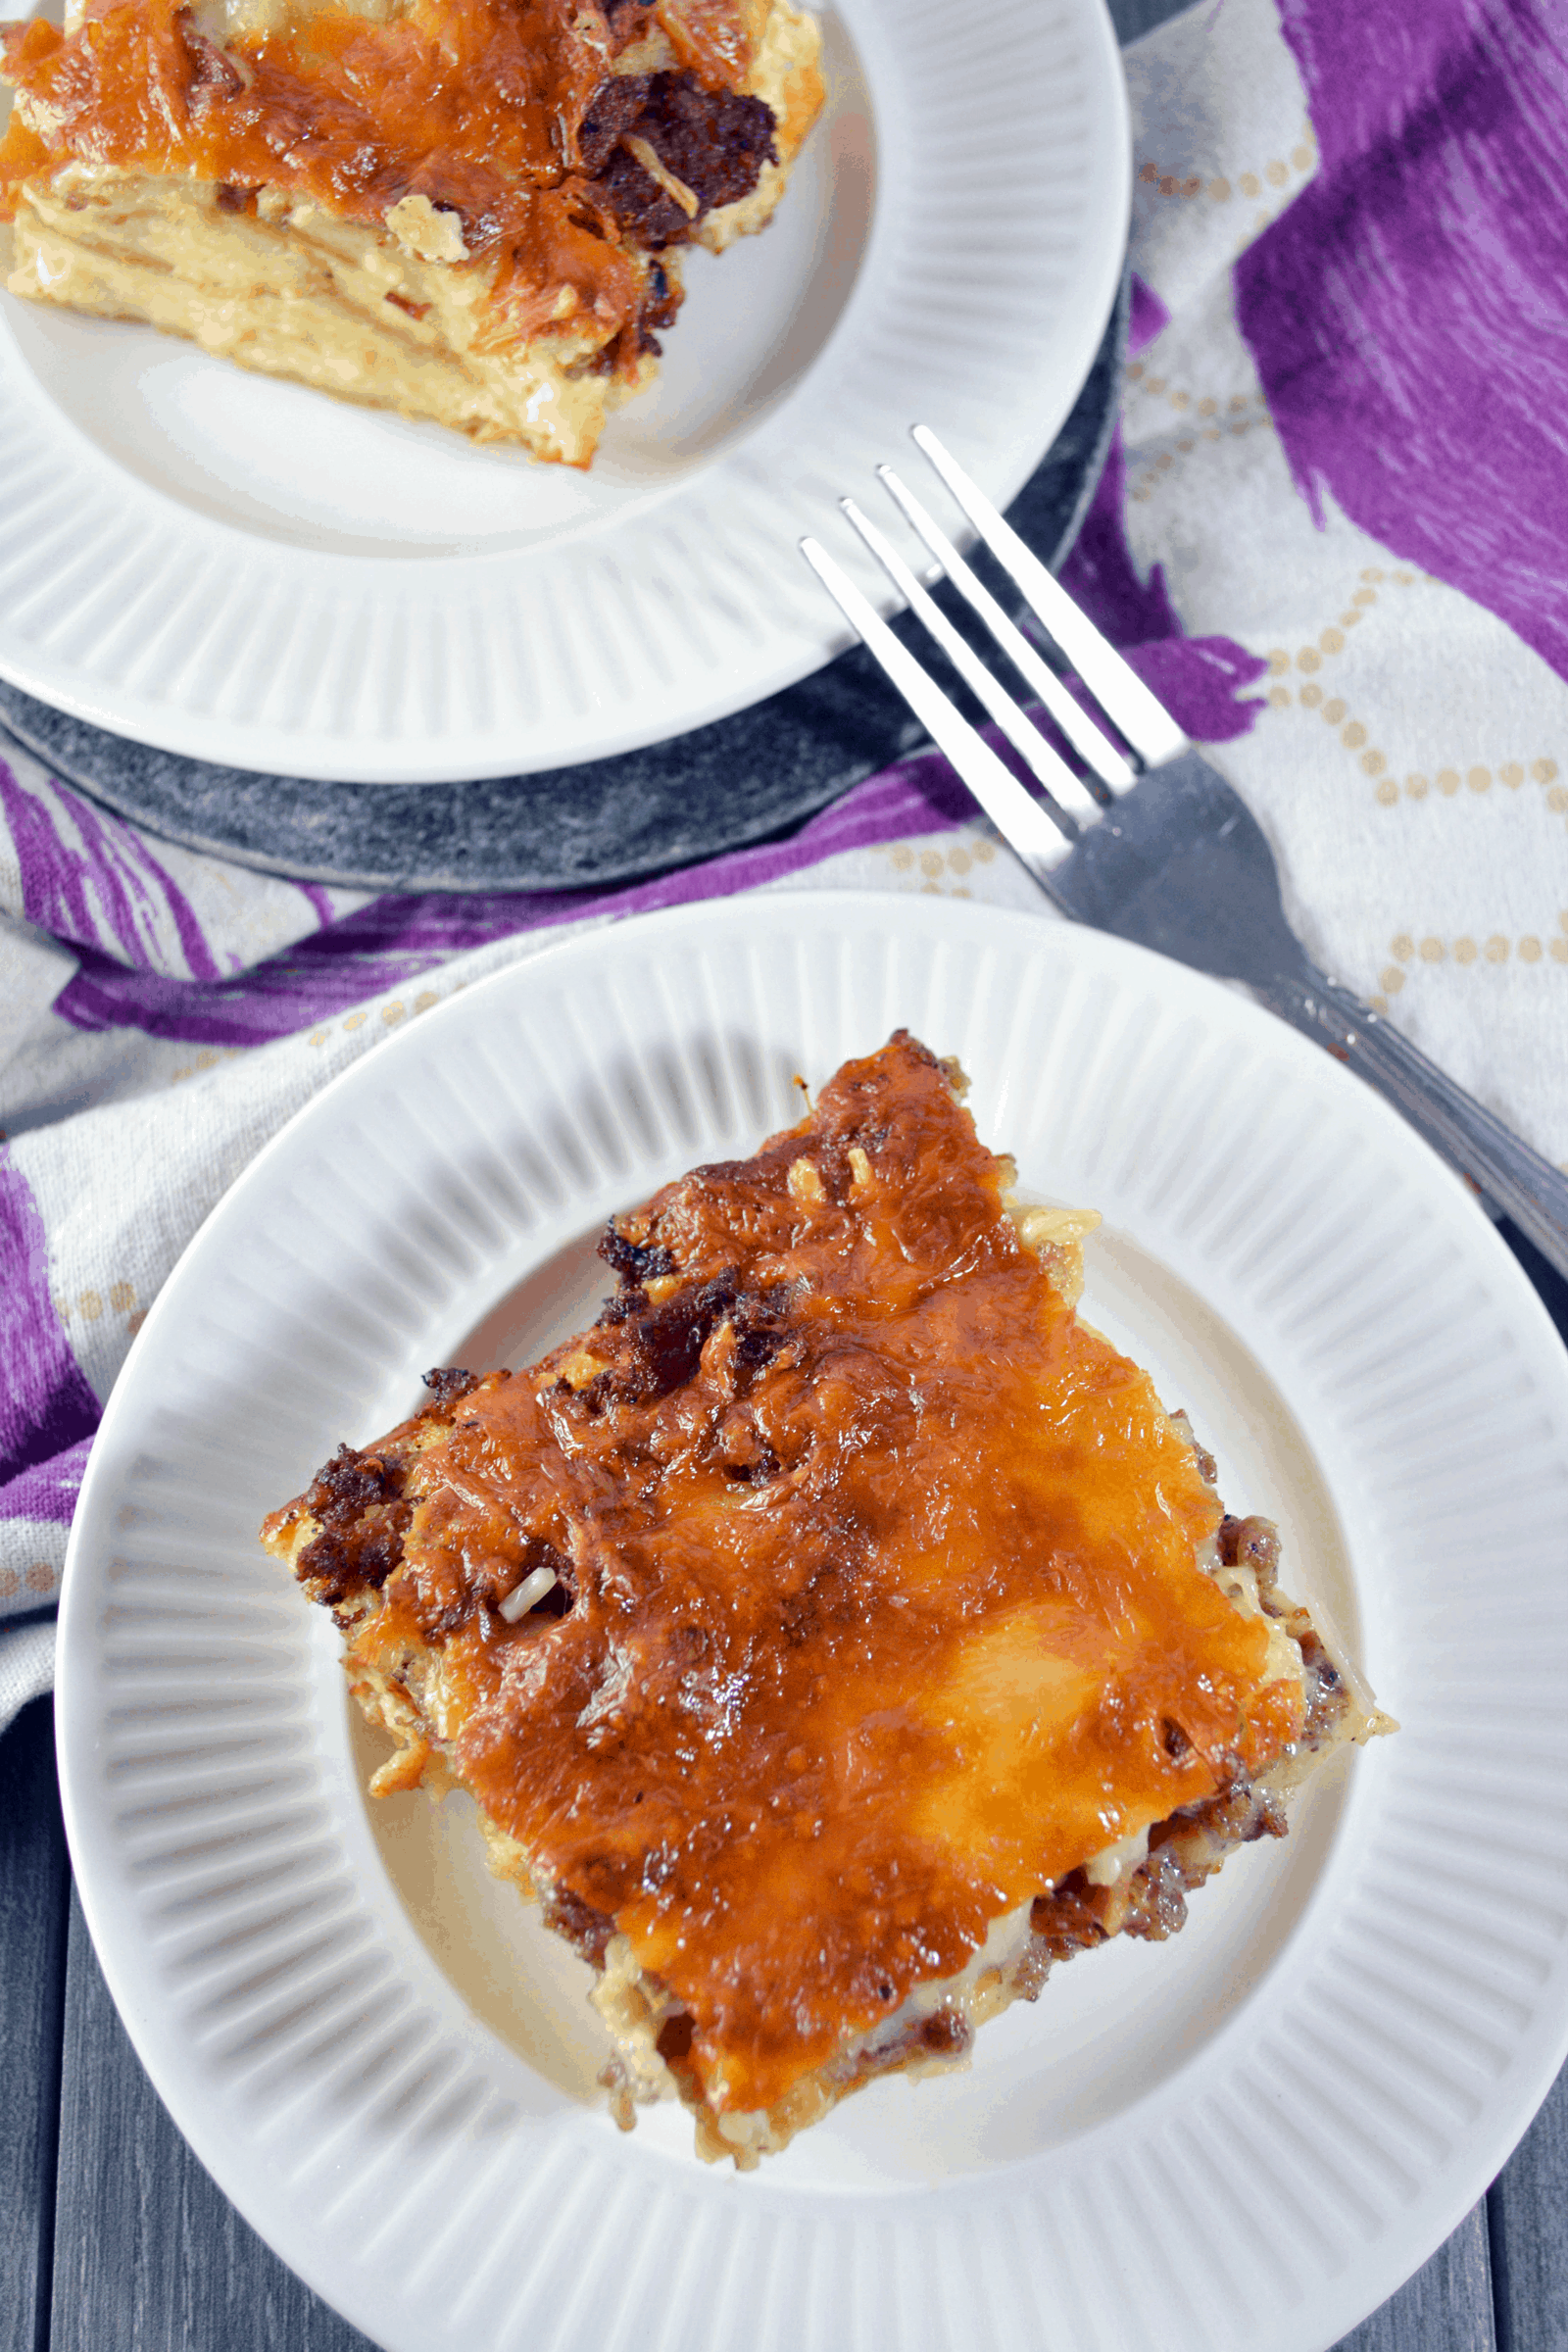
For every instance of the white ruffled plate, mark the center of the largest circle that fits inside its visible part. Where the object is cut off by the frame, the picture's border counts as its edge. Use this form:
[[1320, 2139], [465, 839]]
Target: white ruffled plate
[[251, 574], [1247, 2136]]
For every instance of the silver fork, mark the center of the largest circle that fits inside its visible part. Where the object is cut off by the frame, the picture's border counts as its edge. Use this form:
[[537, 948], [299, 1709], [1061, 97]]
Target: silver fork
[[1152, 845]]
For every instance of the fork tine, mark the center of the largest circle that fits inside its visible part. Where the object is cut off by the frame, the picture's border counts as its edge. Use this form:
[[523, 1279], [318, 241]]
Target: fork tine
[[1026, 739], [1087, 739], [1126, 700], [1033, 829]]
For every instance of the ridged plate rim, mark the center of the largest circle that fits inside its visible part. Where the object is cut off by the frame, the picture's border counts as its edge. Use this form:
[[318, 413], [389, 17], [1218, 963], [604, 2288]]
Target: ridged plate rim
[[1316, 2089], [180, 629]]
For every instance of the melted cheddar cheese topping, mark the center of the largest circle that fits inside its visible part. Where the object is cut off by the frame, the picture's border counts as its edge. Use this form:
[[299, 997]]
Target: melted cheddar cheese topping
[[888, 1597], [473, 105]]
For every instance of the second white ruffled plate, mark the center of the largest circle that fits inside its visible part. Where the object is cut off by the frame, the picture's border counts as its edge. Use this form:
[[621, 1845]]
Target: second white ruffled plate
[[253, 575], [1249, 2135]]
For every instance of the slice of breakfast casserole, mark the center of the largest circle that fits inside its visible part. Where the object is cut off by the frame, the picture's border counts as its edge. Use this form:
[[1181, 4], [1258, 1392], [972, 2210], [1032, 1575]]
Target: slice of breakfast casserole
[[466, 210], [838, 1633]]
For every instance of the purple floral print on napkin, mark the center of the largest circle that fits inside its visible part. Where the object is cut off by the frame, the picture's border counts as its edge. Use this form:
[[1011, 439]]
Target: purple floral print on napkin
[[1407, 313], [401, 936], [103, 890], [47, 1410], [1199, 679], [91, 880], [48, 1491]]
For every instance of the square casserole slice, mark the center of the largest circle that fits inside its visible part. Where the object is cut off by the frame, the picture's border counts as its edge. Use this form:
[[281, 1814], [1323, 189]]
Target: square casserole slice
[[470, 210], [837, 1634]]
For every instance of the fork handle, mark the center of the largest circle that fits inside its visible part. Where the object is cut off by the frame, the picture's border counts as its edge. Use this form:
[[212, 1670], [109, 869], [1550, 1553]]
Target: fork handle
[[1524, 1185]]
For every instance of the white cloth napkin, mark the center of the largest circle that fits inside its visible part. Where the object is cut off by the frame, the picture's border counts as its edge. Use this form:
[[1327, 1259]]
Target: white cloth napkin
[[1411, 767], [162, 1013]]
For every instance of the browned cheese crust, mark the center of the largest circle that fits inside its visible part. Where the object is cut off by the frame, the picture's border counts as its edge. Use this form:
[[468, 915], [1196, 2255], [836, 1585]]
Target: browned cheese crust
[[668, 1604], [466, 210]]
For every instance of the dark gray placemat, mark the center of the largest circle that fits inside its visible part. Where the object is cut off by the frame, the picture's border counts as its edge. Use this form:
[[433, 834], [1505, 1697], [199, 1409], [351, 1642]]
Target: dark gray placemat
[[738, 781]]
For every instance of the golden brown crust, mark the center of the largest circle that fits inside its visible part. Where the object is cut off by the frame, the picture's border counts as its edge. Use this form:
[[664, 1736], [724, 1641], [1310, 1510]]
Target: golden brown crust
[[458, 208], [835, 1598]]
